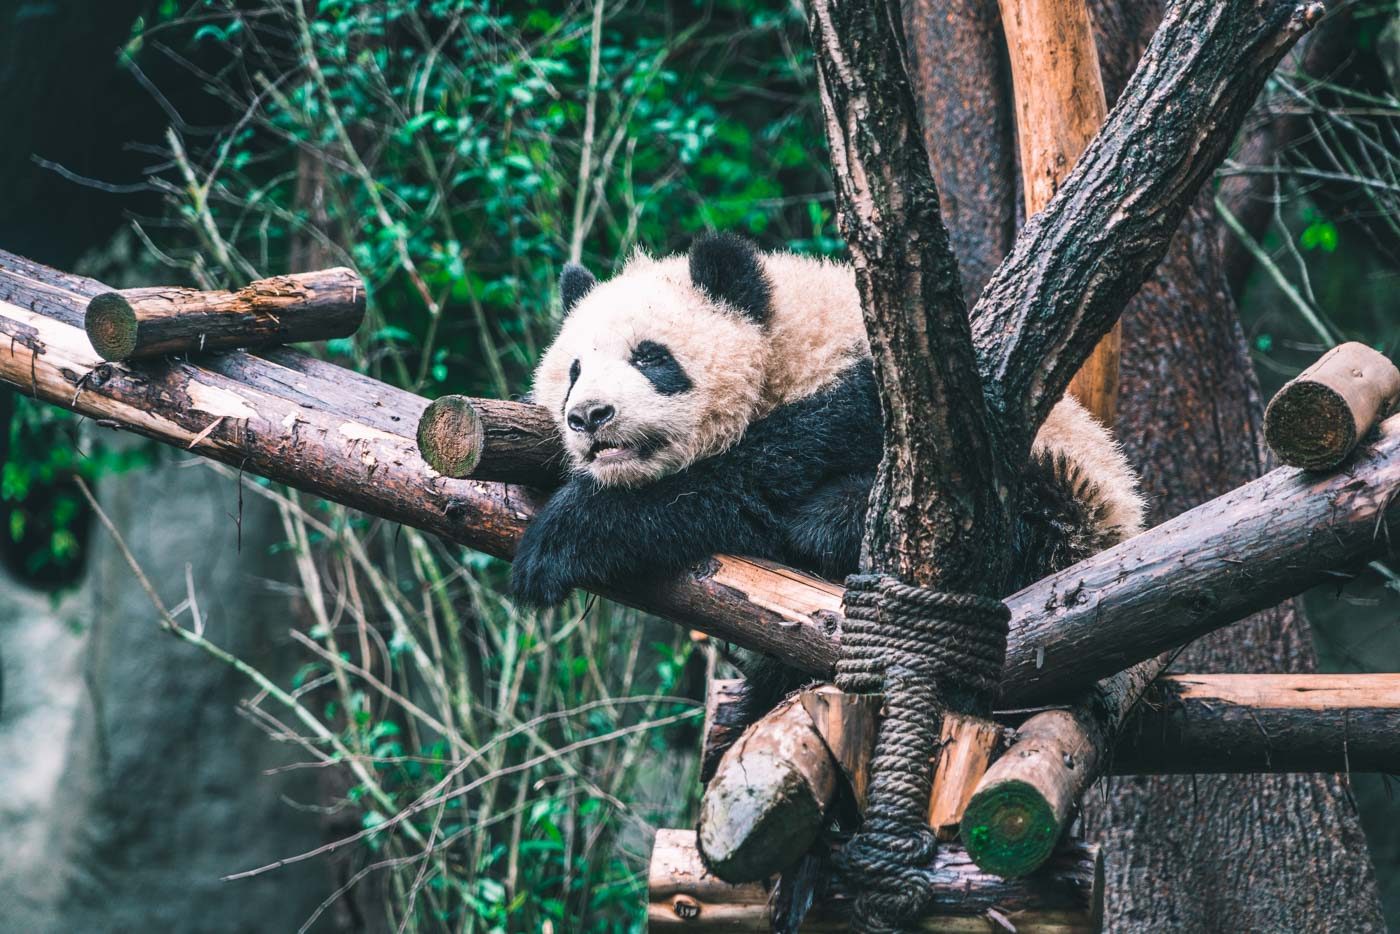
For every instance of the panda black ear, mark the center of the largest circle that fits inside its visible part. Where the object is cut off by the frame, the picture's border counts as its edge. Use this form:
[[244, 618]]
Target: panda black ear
[[729, 268], [574, 283]]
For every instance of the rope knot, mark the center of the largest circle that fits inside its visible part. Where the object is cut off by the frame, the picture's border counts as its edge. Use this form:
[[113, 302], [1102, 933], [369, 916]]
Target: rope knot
[[953, 639], [911, 643]]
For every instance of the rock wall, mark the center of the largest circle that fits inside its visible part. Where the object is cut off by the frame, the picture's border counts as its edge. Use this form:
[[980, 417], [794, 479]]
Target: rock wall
[[130, 782]]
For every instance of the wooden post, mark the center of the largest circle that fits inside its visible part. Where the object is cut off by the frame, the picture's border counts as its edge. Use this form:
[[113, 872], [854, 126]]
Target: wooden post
[[1027, 798], [724, 722], [487, 439], [141, 323], [1065, 898], [747, 836], [1060, 106], [1316, 419]]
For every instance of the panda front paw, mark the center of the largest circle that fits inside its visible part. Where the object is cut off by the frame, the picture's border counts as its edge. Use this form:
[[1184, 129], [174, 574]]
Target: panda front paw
[[538, 577]]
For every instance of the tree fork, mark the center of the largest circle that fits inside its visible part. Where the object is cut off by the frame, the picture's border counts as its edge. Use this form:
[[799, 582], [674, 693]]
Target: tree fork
[[1076, 264], [1060, 106], [136, 324]]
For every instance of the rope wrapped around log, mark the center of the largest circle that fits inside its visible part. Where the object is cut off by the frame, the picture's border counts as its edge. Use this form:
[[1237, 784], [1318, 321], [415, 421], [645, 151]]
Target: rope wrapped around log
[[912, 644]]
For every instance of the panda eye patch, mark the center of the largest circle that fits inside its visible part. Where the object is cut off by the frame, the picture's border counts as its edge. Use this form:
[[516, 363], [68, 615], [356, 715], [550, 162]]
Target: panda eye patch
[[574, 371], [660, 368]]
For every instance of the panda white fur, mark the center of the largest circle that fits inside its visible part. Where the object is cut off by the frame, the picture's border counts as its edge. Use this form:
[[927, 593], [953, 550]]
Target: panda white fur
[[725, 402]]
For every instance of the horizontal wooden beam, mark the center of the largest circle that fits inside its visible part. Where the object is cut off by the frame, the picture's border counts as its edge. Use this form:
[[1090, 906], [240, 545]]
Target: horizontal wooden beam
[[1264, 723], [351, 439], [1066, 897]]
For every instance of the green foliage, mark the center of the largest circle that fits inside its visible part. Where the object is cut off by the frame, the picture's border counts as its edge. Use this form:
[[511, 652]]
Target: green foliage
[[43, 517], [506, 768]]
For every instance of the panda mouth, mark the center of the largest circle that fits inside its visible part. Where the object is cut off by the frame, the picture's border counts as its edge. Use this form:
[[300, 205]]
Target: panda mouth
[[611, 452], [604, 451]]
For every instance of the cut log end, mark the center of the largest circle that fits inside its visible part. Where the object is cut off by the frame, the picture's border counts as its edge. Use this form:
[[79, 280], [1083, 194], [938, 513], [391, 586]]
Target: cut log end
[[451, 436], [1316, 420], [147, 323], [110, 323], [1010, 829], [1309, 425], [765, 805]]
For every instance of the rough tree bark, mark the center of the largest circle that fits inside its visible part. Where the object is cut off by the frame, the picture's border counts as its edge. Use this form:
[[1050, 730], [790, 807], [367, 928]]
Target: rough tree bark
[[943, 473], [957, 65], [1183, 853]]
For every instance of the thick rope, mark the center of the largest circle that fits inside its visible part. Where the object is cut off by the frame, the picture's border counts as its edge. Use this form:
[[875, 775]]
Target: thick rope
[[911, 644]]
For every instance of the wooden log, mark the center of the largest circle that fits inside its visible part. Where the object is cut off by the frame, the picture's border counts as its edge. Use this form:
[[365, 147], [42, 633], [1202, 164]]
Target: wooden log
[[348, 438], [1024, 803], [1184, 724], [488, 439], [1264, 723], [724, 722], [1060, 106], [847, 725], [966, 746], [1064, 898], [763, 808], [137, 324], [1317, 418]]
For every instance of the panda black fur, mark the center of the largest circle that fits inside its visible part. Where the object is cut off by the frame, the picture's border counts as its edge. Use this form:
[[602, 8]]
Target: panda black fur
[[725, 402]]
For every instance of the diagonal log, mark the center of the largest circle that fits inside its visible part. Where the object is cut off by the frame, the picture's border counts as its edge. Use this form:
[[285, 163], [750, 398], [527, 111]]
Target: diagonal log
[[350, 439], [1078, 262]]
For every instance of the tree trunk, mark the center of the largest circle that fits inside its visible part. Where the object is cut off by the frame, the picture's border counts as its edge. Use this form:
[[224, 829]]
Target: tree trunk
[[1184, 855], [1219, 852]]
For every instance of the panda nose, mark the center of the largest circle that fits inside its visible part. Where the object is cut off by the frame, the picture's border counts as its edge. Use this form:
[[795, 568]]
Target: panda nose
[[590, 416]]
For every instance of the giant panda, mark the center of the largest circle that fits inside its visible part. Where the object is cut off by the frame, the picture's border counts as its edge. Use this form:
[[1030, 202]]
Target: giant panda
[[724, 401]]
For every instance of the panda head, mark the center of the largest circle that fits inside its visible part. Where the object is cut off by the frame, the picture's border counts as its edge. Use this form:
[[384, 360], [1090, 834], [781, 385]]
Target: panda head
[[662, 365]]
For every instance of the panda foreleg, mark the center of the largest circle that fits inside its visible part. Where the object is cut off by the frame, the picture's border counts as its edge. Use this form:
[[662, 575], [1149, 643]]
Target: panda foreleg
[[588, 535]]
